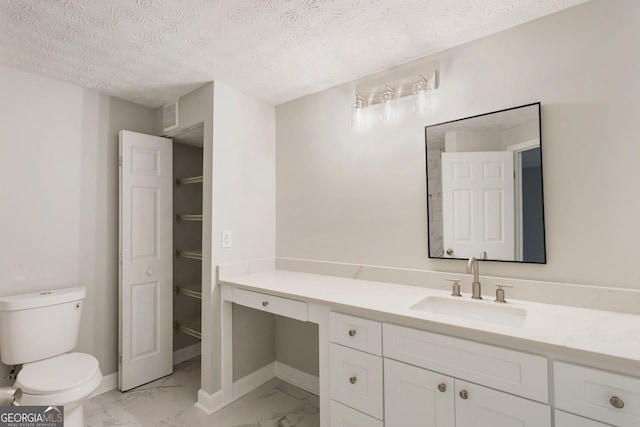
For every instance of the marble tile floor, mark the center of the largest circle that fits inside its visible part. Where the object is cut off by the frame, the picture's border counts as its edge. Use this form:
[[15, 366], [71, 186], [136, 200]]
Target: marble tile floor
[[170, 401]]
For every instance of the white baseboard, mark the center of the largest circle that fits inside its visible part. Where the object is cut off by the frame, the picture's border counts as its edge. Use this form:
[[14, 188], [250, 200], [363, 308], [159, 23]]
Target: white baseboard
[[209, 403], [108, 383], [286, 373], [298, 378], [254, 380], [186, 353]]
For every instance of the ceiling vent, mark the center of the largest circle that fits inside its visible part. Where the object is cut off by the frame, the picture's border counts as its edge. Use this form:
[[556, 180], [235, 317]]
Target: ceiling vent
[[170, 117]]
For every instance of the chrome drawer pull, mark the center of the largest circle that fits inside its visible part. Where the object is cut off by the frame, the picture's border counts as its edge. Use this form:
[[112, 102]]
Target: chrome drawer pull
[[616, 402], [353, 380], [352, 332], [442, 387], [464, 394], [265, 303]]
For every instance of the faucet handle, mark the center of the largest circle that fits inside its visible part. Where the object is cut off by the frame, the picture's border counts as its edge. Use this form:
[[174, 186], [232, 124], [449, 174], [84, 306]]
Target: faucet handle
[[500, 292], [455, 287]]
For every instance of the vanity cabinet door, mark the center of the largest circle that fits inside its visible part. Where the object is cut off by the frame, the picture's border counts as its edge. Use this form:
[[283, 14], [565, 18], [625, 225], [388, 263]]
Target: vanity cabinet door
[[478, 406], [416, 397], [343, 416], [564, 419]]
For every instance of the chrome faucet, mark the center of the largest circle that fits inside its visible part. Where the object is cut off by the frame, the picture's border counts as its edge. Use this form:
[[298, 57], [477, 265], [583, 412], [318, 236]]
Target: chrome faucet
[[472, 267]]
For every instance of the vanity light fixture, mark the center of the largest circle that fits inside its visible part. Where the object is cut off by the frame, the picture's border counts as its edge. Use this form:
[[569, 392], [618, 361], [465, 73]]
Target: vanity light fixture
[[388, 102], [388, 89], [359, 113]]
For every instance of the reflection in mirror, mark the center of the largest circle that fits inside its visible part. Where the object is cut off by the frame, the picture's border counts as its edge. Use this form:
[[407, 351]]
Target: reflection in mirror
[[484, 187]]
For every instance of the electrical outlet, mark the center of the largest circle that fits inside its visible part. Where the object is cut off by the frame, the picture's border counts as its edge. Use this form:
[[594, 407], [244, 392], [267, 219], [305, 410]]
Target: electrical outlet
[[226, 238]]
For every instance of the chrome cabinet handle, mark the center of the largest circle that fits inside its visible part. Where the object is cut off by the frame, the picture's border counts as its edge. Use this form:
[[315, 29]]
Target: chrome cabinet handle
[[616, 402], [265, 303], [449, 251], [442, 387], [464, 394], [353, 380], [352, 332]]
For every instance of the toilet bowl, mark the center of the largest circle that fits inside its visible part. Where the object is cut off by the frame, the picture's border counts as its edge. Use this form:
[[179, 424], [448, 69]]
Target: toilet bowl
[[64, 380], [38, 330]]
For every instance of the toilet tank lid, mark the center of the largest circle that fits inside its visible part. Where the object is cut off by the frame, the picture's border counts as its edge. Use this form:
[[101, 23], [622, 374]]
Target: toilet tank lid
[[42, 298]]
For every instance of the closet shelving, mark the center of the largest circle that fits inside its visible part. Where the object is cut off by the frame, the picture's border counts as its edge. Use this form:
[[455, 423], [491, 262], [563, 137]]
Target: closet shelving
[[188, 222], [189, 254], [193, 290], [189, 326], [188, 218], [187, 286], [190, 180]]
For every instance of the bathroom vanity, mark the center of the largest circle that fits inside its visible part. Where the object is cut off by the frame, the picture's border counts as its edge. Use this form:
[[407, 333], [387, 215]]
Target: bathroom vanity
[[393, 355]]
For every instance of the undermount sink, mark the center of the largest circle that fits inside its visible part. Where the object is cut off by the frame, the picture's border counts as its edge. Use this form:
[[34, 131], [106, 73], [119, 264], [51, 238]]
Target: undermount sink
[[483, 311]]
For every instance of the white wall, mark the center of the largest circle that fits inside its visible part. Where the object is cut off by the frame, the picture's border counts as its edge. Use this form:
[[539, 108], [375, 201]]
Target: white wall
[[359, 196], [243, 201], [59, 193]]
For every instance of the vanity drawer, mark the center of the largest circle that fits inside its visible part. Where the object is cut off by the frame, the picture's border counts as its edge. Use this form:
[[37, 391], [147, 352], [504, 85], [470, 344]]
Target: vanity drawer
[[343, 416], [565, 419], [512, 371], [272, 304], [590, 392], [355, 332], [356, 379]]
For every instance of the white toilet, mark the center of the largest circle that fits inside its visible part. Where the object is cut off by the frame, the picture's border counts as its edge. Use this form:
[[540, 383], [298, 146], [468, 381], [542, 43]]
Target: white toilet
[[37, 330]]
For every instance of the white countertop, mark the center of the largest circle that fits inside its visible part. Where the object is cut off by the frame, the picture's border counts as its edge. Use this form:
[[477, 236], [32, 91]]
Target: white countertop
[[599, 332]]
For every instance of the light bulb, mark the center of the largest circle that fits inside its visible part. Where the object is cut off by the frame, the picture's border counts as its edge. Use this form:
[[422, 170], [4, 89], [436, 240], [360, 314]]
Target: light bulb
[[421, 97], [388, 106], [359, 113]]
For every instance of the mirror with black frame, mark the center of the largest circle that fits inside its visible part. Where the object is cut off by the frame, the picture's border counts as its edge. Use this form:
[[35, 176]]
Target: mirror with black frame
[[484, 187]]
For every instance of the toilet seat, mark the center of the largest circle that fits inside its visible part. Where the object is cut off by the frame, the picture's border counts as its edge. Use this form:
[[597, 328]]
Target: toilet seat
[[59, 380]]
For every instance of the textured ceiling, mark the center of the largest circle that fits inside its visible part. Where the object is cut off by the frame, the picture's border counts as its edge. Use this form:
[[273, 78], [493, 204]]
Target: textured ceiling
[[152, 51]]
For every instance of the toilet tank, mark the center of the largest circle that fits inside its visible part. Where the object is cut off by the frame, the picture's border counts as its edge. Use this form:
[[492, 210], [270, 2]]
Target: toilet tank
[[39, 325]]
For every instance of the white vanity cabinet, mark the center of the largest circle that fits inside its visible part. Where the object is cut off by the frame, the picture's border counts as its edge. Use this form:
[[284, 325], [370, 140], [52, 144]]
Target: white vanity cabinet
[[478, 406], [436, 393], [603, 396], [355, 373], [417, 397], [374, 373]]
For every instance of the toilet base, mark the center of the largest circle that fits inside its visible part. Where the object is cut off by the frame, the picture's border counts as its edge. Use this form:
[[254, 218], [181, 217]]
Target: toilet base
[[74, 417]]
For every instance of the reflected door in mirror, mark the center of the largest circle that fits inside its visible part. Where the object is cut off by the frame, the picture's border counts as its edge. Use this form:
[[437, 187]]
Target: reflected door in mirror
[[478, 201]]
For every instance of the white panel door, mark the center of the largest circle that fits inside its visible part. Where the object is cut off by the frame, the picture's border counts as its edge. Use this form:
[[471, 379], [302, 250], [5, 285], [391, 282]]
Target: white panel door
[[146, 259], [415, 397], [478, 406], [478, 204]]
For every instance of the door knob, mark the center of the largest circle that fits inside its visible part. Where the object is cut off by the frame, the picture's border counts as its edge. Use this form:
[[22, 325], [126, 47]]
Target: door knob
[[352, 332], [149, 271], [265, 303], [464, 394], [442, 387], [353, 380], [450, 252]]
